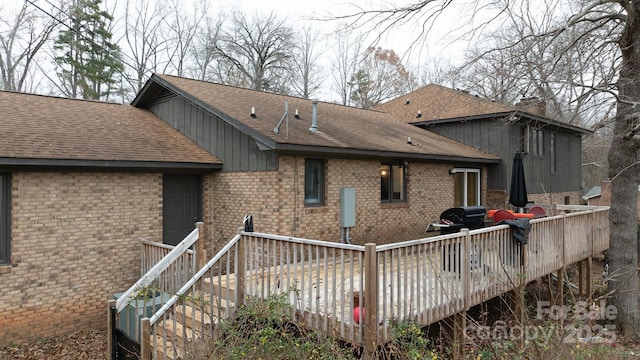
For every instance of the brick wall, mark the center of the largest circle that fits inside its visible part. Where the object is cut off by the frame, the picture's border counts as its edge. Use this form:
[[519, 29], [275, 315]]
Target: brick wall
[[75, 242], [75, 236], [276, 200], [556, 198], [499, 199]]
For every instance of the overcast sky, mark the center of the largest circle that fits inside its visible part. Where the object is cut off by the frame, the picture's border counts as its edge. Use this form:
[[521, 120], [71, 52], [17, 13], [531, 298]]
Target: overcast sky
[[438, 46], [441, 42]]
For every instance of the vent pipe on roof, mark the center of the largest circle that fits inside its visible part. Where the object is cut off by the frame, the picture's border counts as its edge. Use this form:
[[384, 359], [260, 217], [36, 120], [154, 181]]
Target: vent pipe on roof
[[314, 117], [285, 116]]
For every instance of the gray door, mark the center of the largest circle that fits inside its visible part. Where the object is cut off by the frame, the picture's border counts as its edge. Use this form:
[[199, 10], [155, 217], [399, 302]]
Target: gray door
[[182, 206]]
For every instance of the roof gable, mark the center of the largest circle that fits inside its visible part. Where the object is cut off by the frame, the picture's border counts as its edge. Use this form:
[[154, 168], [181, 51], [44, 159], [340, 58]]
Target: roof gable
[[435, 103], [81, 131], [342, 129]]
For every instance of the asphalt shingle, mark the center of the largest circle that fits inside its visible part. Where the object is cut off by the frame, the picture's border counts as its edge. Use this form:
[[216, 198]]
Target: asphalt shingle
[[46, 127], [341, 127]]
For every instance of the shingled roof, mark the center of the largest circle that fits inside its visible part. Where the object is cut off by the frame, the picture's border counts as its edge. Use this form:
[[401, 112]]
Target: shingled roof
[[342, 129], [51, 131], [436, 103]]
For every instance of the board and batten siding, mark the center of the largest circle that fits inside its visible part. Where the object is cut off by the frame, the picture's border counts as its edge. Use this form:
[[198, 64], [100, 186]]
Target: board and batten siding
[[502, 139], [238, 151]]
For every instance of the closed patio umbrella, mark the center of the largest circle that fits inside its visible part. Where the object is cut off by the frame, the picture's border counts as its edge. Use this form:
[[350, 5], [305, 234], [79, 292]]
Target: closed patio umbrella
[[518, 191]]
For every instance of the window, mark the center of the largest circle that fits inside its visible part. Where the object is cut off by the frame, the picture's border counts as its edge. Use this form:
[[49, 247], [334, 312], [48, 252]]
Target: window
[[552, 151], [314, 182], [537, 142], [466, 187], [524, 139], [5, 244], [393, 187]]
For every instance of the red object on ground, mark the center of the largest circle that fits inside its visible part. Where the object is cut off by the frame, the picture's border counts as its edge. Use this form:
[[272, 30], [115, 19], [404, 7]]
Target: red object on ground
[[356, 314]]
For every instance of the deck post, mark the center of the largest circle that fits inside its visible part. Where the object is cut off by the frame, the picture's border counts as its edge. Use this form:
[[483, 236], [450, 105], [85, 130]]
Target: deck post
[[459, 322], [589, 260], [111, 307], [201, 257], [559, 300], [370, 301], [581, 276], [465, 268], [589, 279], [520, 304], [240, 273], [145, 339]]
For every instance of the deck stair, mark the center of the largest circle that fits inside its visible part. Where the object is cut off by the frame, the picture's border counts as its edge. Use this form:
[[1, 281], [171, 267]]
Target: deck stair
[[193, 320]]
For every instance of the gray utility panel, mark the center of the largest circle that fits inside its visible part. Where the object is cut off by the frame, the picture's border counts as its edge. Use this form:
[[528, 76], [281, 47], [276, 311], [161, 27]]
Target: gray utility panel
[[347, 207]]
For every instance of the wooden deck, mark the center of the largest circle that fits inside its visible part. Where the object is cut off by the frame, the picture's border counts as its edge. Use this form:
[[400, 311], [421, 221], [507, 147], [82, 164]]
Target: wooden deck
[[424, 280]]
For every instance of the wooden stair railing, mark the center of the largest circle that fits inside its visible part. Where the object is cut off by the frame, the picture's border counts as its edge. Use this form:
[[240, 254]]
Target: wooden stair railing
[[193, 311], [158, 283]]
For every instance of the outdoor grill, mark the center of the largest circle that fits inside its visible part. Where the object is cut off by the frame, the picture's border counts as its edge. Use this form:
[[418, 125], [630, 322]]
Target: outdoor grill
[[470, 217], [457, 218]]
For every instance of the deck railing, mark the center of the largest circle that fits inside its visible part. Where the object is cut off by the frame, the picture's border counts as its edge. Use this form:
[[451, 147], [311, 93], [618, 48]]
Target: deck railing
[[160, 279], [179, 272], [424, 280], [191, 313]]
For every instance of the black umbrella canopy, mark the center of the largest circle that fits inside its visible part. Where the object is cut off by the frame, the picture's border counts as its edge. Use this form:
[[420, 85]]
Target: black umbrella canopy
[[518, 191]]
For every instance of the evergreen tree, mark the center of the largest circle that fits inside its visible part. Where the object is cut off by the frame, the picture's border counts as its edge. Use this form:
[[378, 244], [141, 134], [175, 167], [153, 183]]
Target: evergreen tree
[[88, 63]]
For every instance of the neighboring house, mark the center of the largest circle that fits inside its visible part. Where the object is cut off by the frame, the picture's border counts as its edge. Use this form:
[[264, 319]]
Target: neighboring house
[[592, 197], [83, 181], [552, 150], [600, 195]]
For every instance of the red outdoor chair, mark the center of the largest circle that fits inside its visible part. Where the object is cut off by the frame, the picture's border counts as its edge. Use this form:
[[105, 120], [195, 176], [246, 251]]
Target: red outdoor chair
[[538, 211], [502, 215]]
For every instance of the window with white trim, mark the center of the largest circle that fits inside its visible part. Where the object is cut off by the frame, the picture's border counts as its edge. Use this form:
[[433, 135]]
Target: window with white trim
[[466, 187]]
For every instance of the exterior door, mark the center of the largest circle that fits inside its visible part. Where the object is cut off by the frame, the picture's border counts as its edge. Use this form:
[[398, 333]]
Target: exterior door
[[181, 207]]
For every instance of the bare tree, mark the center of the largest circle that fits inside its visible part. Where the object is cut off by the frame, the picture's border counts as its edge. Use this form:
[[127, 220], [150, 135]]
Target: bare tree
[[548, 68], [307, 74], [144, 39], [21, 38], [614, 28], [344, 64], [181, 28], [204, 49], [256, 53]]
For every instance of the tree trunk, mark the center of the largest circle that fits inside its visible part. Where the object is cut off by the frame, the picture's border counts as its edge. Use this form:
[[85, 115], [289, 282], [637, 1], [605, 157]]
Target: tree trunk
[[623, 172]]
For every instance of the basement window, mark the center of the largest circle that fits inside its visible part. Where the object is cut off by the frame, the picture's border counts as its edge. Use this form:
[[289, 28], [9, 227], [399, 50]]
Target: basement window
[[5, 241], [314, 180]]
